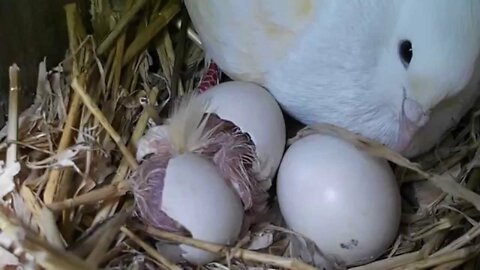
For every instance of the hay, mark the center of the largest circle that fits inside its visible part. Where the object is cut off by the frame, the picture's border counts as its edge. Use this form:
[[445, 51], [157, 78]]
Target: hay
[[68, 206]]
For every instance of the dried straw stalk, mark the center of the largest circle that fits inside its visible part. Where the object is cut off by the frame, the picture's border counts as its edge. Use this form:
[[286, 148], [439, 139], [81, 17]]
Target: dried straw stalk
[[243, 254]]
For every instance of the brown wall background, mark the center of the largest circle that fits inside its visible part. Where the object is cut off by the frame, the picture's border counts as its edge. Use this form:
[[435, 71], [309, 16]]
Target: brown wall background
[[29, 31]]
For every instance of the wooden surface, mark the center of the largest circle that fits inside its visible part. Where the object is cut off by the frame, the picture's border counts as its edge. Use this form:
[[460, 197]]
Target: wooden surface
[[29, 31]]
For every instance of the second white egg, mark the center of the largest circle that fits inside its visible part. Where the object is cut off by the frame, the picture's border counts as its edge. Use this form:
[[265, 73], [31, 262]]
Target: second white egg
[[343, 199]]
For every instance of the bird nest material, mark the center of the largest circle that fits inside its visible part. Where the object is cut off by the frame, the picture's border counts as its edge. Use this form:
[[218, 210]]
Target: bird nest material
[[66, 202]]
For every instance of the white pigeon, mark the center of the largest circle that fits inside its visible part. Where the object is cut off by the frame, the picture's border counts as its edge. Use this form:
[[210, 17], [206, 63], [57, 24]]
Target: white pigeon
[[401, 72]]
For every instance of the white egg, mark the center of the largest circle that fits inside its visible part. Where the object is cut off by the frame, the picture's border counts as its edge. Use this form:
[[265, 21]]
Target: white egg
[[254, 110], [197, 197], [345, 200]]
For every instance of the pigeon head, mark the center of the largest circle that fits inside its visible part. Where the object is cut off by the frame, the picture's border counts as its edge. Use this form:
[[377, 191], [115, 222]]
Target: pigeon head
[[430, 57]]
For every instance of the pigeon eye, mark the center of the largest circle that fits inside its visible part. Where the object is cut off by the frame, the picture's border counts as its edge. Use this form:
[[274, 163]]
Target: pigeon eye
[[406, 52]]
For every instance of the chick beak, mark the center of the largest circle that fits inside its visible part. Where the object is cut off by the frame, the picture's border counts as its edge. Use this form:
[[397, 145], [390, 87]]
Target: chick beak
[[412, 118]]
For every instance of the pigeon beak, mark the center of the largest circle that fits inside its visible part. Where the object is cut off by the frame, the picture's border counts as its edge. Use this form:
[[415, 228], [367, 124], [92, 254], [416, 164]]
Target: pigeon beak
[[413, 113], [412, 118]]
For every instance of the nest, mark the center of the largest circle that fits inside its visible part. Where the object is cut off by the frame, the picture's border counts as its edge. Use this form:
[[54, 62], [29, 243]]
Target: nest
[[67, 203]]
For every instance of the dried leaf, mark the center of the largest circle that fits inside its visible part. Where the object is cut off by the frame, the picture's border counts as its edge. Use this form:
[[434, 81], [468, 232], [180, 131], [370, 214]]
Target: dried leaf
[[7, 174]]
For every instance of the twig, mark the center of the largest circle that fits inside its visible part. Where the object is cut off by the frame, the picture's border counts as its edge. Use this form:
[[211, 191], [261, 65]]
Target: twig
[[120, 26], [14, 71], [116, 72], [47, 227], [57, 179], [110, 191], [46, 255], [434, 242], [192, 35], [432, 261], [151, 251], [390, 263], [122, 170], [286, 263], [87, 100], [114, 225], [451, 265], [166, 54], [460, 241], [12, 167], [179, 55], [147, 34]]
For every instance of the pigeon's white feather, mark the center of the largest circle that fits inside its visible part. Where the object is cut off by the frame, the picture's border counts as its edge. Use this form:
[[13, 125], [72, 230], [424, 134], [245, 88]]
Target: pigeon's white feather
[[249, 38], [338, 61], [186, 127]]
